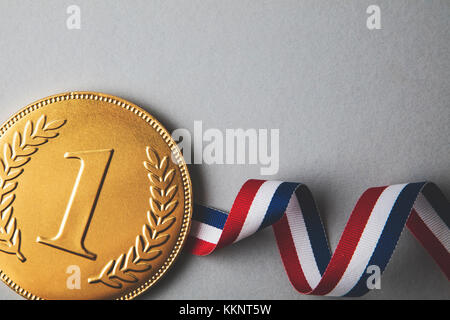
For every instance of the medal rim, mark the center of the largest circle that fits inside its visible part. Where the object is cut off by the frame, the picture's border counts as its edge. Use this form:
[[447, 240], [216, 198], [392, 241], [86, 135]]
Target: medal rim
[[167, 138]]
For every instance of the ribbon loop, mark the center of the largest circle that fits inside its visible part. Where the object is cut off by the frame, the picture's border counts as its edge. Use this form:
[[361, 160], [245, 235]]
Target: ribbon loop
[[369, 238]]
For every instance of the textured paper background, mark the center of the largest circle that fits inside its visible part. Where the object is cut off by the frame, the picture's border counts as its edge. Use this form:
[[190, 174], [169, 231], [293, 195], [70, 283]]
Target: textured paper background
[[355, 108]]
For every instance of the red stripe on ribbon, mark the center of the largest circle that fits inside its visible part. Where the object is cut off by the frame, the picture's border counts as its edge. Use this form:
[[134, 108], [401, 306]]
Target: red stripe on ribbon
[[239, 212], [349, 241], [288, 253], [199, 247], [434, 247]]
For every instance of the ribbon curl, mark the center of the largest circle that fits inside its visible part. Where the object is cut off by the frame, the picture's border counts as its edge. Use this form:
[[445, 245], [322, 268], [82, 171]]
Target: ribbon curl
[[369, 238]]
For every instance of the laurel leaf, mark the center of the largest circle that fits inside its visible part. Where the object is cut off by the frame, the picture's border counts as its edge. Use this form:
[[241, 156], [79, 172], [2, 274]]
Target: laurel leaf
[[8, 188], [155, 180], [26, 151], [15, 156], [166, 224], [104, 278], [3, 172], [13, 174], [146, 233], [7, 154], [38, 128], [117, 271], [155, 207], [7, 201], [131, 266], [149, 166], [156, 192], [6, 216], [119, 264], [168, 178], [27, 132], [17, 141], [130, 257], [16, 238], [111, 282], [171, 191], [48, 134], [141, 267], [170, 207], [162, 205], [38, 140], [164, 165], [152, 220], [163, 196], [16, 151], [41, 122], [11, 227], [6, 248], [19, 162], [147, 256], [159, 241], [139, 248], [16, 245], [152, 156], [151, 255], [56, 124]]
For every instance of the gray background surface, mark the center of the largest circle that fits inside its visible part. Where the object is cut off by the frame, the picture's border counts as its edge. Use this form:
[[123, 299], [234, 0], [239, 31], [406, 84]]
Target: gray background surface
[[356, 108]]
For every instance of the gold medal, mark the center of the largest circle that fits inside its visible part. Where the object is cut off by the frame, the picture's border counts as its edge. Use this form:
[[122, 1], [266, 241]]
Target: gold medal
[[96, 199]]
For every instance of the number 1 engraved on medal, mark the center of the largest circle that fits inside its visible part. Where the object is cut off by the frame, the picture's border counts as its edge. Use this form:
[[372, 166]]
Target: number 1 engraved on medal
[[82, 202]]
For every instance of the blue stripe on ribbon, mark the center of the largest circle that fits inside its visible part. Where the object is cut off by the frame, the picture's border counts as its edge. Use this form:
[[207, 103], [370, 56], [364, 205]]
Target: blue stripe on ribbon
[[390, 235], [278, 204], [316, 232], [212, 217]]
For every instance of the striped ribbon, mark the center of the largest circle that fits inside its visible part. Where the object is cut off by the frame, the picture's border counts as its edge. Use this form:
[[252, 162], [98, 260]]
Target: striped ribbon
[[369, 237]]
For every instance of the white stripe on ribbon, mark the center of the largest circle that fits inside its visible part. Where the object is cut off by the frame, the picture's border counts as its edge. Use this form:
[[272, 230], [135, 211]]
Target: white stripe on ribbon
[[302, 243], [432, 221], [368, 241], [258, 208], [205, 232]]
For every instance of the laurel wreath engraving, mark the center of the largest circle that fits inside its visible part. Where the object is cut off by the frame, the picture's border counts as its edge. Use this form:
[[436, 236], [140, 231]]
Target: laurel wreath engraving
[[15, 156], [159, 220]]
